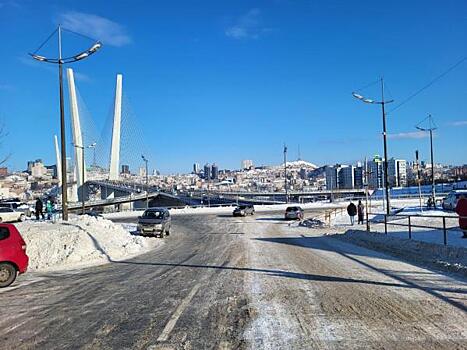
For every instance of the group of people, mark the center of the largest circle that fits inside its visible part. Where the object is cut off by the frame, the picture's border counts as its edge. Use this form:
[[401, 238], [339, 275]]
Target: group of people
[[50, 209], [353, 210]]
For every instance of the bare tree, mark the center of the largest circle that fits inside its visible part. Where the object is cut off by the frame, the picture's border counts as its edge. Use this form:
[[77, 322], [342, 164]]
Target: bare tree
[[3, 134]]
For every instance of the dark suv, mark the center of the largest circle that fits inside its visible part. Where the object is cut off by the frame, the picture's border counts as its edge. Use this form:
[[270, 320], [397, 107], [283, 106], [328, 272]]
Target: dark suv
[[244, 210], [155, 222], [294, 213]]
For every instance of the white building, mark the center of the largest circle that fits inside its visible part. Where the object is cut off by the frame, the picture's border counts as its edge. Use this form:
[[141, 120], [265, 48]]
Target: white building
[[247, 164], [376, 178], [397, 172]]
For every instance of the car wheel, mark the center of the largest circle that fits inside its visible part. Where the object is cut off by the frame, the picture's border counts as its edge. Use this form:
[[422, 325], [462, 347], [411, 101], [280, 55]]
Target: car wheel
[[7, 274]]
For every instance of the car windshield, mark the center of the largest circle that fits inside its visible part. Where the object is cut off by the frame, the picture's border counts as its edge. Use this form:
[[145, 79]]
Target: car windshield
[[242, 207], [293, 208], [152, 214]]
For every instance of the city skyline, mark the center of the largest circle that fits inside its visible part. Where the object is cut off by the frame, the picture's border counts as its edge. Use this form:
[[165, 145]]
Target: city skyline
[[231, 73]]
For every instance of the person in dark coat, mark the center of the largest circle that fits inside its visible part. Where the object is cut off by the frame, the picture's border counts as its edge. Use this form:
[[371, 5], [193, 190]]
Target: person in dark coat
[[39, 209], [352, 211], [461, 210], [361, 212]]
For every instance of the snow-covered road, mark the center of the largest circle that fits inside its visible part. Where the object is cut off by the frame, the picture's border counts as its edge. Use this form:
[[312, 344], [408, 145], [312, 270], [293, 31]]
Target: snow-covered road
[[240, 283]]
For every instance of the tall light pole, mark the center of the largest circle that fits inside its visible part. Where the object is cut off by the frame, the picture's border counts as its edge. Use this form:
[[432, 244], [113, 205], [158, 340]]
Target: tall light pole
[[147, 181], [285, 174], [431, 127], [61, 61], [383, 102]]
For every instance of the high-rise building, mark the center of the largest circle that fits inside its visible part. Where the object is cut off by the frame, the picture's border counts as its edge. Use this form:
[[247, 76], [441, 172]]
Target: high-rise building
[[375, 178], [397, 172], [247, 164], [125, 169], [142, 171], [207, 171], [332, 177], [214, 172], [196, 168], [358, 176], [346, 176]]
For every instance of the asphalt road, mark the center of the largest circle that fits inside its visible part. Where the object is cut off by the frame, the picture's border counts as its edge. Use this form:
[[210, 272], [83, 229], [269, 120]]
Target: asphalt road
[[235, 283]]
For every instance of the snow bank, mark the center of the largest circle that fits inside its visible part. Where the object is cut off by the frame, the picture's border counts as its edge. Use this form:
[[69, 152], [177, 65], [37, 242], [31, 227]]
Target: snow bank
[[439, 256], [80, 242]]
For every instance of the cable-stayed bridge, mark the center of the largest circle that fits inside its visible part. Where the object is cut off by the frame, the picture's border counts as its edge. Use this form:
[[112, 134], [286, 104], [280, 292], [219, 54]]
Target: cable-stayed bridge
[[96, 178]]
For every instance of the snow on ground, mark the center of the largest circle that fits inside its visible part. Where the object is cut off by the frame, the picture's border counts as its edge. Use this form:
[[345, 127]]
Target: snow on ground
[[398, 224], [229, 209], [451, 258], [82, 241]]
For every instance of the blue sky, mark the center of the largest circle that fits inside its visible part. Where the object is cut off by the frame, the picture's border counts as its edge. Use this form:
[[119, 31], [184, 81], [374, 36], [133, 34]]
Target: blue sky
[[222, 81]]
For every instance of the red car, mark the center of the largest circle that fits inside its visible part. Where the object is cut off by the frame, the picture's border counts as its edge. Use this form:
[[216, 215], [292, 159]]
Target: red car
[[13, 258]]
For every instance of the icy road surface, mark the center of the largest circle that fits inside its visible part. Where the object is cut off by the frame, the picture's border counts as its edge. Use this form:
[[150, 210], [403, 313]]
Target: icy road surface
[[239, 283]]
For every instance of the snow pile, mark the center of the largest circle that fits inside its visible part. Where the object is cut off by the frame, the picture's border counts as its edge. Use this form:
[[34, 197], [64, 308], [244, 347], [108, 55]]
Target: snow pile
[[313, 223], [446, 257], [82, 241]]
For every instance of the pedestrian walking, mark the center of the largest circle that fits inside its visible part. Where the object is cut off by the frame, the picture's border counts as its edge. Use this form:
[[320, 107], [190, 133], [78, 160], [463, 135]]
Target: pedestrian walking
[[39, 209], [461, 210], [361, 212], [352, 211], [49, 209]]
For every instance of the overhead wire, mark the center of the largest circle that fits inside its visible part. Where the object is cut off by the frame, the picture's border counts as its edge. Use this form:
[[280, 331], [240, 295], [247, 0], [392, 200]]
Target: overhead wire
[[410, 97]]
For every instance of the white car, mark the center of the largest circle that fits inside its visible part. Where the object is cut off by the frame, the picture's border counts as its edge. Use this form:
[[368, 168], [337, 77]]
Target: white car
[[9, 215], [450, 202]]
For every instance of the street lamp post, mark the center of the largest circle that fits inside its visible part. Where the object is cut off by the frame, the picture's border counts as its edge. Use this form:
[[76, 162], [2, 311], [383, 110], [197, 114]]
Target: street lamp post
[[432, 127], [383, 102], [285, 174], [147, 181], [60, 61]]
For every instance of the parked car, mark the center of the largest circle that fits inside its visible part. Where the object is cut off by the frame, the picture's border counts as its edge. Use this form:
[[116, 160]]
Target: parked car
[[244, 210], [155, 222], [294, 213], [11, 215], [450, 202], [17, 206], [13, 257]]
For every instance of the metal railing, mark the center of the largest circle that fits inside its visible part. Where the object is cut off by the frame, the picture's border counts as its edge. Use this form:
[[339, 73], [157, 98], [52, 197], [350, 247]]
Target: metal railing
[[446, 223]]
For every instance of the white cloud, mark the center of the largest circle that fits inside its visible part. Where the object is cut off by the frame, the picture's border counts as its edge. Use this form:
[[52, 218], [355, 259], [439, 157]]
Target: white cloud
[[247, 26], [409, 135], [97, 27], [459, 123]]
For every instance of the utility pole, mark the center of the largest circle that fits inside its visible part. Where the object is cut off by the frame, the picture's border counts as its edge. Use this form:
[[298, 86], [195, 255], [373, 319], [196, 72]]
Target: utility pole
[[386, 181], [431, 127], [366, 184], [419, 180], [147, 181], [285, 174]]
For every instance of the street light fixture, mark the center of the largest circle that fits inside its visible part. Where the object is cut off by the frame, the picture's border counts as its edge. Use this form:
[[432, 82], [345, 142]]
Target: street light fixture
[[432, 127], [382, 103], [60, 61], [147, 181]]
